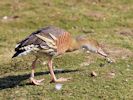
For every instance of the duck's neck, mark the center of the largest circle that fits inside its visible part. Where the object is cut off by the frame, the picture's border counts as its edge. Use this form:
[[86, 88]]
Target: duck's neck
[[75, 44]]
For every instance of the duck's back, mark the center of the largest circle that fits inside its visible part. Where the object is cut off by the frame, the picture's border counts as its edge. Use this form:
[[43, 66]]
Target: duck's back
[[58, 42]]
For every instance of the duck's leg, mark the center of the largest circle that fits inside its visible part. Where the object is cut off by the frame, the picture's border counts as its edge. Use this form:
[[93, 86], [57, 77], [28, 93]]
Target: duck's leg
[[33, 80], [53, 77]]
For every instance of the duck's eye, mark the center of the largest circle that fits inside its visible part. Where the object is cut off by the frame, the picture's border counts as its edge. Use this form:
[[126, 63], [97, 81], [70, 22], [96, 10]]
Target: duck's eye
[[84, 48]]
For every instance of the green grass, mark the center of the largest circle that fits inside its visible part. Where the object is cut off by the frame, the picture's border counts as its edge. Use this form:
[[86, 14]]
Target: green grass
[[103, 21]]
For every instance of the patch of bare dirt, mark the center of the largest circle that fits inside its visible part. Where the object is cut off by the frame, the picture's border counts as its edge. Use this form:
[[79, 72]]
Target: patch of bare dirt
[[124, 8], [111, 74], [117, 52], [95, 15], [90, 58], [125, 32], [113, 52]]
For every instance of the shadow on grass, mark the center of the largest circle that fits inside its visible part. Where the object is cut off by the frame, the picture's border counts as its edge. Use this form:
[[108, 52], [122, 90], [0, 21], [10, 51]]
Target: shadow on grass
[[13, 81]]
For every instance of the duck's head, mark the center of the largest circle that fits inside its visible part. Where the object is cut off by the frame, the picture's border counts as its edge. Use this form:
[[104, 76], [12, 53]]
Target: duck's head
[[89, 45]]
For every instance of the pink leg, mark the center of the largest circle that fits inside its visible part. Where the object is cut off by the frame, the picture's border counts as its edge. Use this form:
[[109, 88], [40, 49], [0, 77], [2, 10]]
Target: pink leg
[[50, 67], [33, 67], [34, 81], [53, 77]]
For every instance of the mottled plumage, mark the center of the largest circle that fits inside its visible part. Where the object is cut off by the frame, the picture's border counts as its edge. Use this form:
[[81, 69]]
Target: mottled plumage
[[33, 43]]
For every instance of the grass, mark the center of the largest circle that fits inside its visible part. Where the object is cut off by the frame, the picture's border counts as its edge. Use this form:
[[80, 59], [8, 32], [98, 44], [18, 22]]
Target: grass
[[103, 20]]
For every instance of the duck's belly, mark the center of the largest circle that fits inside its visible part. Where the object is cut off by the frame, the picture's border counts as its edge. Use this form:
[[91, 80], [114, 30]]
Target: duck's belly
[[44, 53]]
